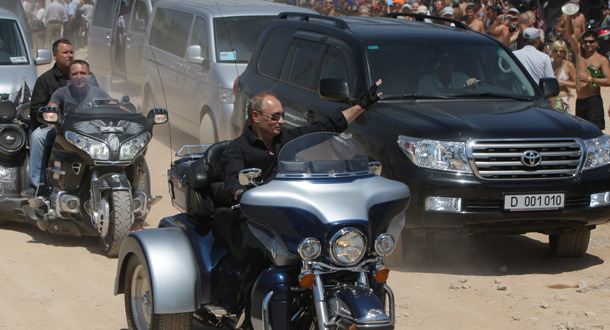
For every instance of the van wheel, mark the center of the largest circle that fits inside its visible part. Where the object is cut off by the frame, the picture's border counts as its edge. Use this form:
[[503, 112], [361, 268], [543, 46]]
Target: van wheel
[[207, 130], [571, 244]]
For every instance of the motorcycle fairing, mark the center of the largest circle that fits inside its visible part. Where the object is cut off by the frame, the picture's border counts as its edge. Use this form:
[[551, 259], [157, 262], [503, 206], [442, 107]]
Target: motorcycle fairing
[[276, 280], [106, 124]]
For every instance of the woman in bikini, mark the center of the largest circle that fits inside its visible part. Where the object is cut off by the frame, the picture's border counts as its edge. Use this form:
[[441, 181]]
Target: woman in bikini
[[565, 72]]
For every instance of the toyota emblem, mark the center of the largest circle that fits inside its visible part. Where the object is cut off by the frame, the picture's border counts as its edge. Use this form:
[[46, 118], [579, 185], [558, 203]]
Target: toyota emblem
[[531, 158]]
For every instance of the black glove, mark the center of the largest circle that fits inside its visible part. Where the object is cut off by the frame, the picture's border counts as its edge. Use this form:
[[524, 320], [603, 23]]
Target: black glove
[[369, 98]]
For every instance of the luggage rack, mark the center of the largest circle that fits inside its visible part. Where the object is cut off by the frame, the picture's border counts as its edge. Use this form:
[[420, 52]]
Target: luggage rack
[[192, 151]]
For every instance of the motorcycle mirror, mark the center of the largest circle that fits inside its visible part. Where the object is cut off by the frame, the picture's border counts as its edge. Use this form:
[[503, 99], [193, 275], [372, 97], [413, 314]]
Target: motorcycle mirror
[[247, 176], [157, 116], [125, 99], [375, 167], [48, 115]]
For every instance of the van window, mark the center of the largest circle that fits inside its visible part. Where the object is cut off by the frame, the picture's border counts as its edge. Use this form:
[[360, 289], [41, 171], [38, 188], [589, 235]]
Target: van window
[[12, 47], [105, 13], [305, 65], [274, 53], [200, 36], [170, 30], [236, 37], [140, 19]]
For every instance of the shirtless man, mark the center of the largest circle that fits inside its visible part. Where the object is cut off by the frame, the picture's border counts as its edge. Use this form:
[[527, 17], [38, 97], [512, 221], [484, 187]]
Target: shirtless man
[[472, 21], [592, 71], [498, 28], [578, 24]]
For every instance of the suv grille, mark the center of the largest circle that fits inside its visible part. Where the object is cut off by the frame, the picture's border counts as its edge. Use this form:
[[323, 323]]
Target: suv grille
[[525, 159]]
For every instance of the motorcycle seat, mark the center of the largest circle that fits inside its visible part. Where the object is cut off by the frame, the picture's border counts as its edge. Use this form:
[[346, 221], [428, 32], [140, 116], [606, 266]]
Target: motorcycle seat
[[205, 178]]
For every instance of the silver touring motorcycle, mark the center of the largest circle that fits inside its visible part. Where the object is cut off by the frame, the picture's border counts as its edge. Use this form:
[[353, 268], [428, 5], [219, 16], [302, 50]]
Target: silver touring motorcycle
[[98, 182], [327, 221]]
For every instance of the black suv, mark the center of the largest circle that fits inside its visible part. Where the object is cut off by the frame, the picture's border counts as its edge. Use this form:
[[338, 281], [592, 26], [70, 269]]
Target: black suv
[[488, 157]]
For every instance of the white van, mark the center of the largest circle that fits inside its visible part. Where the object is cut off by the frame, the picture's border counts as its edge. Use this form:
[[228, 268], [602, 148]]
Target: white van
[[198, 49]]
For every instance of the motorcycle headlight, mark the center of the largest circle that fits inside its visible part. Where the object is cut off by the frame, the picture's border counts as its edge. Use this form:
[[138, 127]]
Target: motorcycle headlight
[[347, 246], [96, 149], [129, 149], [598, 152], [385, 244], [310, 249], [437, 155]]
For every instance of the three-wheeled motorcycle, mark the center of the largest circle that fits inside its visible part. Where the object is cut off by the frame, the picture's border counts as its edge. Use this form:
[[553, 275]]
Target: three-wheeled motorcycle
[[327, 220]]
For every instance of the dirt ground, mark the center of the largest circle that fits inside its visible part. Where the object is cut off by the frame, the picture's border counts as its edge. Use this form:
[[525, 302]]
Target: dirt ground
[[493, 282]]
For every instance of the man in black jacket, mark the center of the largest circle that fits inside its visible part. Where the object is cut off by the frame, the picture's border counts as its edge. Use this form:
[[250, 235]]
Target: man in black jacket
[[51, 80]]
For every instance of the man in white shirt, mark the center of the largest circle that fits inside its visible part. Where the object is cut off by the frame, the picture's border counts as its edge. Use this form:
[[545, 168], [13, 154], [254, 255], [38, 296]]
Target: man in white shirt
[[537, 63]]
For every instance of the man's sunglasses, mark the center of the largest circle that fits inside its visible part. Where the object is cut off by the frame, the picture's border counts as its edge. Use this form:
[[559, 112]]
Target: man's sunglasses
[[589, 41], [274, 116]]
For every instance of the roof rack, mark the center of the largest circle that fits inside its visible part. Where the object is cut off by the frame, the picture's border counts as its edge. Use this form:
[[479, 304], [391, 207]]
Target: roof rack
[[420, 18], [339, 23]]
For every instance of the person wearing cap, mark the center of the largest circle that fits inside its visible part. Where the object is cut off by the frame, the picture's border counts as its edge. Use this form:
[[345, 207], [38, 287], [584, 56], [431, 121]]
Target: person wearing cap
[[448, 12], [472, 21], [537, 63], [592, 72]]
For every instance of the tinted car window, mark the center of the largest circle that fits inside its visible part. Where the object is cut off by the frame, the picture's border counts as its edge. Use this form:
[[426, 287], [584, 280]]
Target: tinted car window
[[274, 53], [305, 65], [335, 65], [237, 36], [12, 47], [170, 30], [140, 20], [104, 13], [491, 65]]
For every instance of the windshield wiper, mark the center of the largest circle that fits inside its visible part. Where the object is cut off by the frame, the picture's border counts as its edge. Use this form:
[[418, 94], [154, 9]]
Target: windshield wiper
[[495, 96], [415, 97]]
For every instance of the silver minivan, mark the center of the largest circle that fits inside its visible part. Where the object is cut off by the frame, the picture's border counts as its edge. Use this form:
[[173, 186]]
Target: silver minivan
[[16, 61], [198, 49]]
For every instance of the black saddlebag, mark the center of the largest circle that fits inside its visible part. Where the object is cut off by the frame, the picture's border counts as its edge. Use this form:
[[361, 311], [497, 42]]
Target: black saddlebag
[[196, 186]]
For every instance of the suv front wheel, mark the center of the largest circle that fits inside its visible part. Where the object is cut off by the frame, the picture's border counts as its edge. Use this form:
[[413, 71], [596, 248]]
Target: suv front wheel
[[571, 244]]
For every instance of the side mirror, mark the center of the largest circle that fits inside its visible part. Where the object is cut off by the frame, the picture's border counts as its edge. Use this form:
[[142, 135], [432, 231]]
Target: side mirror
[[48, 115], [549, 86], [193, 54], [334, 90], [43, 56], [157, 116], [249, 175]]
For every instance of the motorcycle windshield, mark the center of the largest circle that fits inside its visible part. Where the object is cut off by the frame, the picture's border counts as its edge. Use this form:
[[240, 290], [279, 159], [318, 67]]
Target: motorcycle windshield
[[322, 155]]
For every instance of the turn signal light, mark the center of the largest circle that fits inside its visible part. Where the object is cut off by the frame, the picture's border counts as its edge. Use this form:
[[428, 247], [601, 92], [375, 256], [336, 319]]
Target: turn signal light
[[381, 276], [306, 279]]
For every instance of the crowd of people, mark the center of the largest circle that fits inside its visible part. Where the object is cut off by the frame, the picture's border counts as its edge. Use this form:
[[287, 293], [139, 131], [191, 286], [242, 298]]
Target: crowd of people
[[56, 19]]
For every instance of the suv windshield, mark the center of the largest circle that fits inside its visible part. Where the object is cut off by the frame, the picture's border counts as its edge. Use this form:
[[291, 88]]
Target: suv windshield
[[416, 70], [236, 37], [12, 48]]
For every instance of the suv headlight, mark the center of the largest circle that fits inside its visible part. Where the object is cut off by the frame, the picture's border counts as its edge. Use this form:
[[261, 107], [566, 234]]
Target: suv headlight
[[437, 155], [129, 149], [598, 152], [96, 149], [347, 246]]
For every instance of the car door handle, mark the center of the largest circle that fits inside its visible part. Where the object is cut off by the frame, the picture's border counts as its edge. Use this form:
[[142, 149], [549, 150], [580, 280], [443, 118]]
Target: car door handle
[[310, 116]]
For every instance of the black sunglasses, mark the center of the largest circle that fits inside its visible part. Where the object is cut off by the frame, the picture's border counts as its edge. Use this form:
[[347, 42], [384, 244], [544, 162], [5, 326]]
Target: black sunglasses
[[274, 116], [589, 41]]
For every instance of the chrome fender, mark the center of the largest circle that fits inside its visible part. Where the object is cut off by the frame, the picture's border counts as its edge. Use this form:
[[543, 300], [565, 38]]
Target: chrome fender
[[171, 263]]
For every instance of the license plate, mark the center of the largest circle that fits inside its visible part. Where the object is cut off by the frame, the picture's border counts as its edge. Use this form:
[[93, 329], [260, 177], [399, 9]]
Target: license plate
[[534, 202]]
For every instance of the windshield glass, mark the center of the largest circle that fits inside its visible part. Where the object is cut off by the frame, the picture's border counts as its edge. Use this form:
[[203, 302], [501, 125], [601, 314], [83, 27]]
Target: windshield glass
[[442, 70], [12, 47], [322, 155], [236, 37]]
